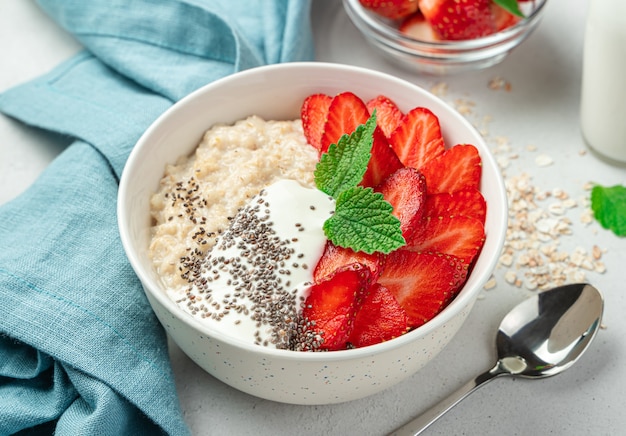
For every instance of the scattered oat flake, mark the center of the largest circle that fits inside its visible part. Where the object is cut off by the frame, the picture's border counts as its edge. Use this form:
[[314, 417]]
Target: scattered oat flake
[[503, 161], [560, 194], [510, 277], [586, 217], [465, 107], [569, 203], [596, 252], [556, 208], [506, 259], [440, 89], [502, 143], [491, 283], [531, 147], [498, 83], [543, 160]]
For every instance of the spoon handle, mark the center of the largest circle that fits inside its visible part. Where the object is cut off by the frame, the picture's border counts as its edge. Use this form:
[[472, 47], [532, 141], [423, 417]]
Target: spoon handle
[[419, 424]]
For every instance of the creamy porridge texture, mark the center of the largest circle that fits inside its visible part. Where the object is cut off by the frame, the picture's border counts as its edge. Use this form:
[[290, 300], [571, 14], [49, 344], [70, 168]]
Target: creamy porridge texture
[[199, 195]]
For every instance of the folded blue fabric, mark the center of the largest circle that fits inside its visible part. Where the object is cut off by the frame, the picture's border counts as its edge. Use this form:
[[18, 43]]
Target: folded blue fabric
[[80, 349]]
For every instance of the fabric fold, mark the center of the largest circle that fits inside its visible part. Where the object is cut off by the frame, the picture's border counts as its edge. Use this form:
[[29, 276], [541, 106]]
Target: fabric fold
[[80, 350], [85, 99], [74, 297], [174, 47]]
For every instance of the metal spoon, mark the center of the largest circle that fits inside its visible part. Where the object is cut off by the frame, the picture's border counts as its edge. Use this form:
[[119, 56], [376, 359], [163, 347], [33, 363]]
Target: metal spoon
[[542, 336]]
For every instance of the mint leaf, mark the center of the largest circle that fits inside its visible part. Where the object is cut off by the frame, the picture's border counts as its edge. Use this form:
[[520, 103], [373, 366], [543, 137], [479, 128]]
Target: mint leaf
[[345, 163], [609, 207], [510, 5], [363, 221]]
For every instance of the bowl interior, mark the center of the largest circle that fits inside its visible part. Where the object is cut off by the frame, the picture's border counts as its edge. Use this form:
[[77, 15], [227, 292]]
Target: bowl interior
[[276, 92]]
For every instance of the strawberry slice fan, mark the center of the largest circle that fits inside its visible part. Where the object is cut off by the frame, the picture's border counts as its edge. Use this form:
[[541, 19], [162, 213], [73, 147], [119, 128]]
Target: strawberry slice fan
[[361, 299]]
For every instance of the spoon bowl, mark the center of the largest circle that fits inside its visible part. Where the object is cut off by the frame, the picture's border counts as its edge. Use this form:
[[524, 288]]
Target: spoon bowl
[[546, 334], [540, 337]]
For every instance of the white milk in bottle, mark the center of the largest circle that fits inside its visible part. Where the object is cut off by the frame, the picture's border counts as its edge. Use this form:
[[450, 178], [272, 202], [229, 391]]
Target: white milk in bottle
[[603, 100]]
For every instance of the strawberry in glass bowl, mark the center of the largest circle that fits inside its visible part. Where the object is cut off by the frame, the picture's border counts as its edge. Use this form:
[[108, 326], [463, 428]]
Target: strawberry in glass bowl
[[445, 36]]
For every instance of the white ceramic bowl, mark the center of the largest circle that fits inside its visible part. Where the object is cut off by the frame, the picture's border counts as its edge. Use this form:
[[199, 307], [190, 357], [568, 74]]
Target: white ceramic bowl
[[442, 57], [276, 92]]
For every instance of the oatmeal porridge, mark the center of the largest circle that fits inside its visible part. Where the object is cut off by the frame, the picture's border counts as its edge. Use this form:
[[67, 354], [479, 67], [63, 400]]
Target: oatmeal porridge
[[226, 242], [200, 194]]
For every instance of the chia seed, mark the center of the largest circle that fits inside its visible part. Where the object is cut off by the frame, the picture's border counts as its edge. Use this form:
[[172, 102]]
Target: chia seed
[[256, 273]]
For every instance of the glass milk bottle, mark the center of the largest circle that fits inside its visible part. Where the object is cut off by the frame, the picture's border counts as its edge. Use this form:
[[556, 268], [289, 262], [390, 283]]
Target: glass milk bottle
[[603, 100]]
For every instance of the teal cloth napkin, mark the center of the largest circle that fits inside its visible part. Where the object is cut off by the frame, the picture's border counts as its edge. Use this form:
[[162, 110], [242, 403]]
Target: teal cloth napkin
[[81, 352]]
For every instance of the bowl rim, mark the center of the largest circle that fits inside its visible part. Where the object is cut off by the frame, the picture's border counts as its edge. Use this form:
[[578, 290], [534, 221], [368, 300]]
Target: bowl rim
[[461, 300], [385, 33]]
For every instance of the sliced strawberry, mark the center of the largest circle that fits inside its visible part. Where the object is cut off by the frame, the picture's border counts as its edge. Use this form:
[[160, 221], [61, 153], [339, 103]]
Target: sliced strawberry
[[503, 18], [313, 113], [388, 115], [336, 258], [459, 236], [467, 202], [454, 19], [393, 9], [331, 307], [457, 168], [415, 26], [405, 190], [379, 319], [383, 162], [423, 283], [345, 113], [418, 138]]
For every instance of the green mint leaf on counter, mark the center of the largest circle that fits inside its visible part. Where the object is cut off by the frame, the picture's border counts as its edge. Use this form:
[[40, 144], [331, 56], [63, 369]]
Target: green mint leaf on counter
[[363, 221], [345, 163], [510, 5], [609, 207]]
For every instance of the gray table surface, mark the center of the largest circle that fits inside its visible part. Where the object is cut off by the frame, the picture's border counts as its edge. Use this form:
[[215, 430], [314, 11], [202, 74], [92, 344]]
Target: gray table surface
[[527, 108]]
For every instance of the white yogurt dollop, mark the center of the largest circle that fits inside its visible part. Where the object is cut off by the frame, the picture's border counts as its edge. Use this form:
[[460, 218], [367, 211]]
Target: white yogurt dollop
[[251, 285]]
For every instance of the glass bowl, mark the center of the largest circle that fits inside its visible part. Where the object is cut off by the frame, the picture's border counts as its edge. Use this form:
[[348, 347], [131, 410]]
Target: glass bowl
[[442, 57]]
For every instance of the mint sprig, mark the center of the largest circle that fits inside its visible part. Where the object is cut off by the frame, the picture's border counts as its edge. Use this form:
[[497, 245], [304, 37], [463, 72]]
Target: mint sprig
[[609, 207], [511, 6], [363, 219], [345, 162]]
